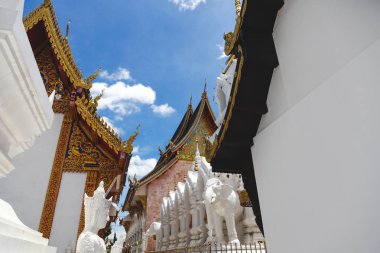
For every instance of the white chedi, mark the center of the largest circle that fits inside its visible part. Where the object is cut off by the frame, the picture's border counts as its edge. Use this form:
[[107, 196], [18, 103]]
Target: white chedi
[[96, 216]]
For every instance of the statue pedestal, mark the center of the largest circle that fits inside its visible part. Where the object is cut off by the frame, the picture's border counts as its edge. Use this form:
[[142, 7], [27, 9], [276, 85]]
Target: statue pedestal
[[15, 237]]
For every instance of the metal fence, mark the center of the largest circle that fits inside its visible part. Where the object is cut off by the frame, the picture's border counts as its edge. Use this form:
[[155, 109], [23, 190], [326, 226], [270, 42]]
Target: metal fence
[[257, 247]]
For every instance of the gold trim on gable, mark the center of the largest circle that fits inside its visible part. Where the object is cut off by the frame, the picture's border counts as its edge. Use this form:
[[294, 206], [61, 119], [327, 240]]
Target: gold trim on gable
[[60, 45]]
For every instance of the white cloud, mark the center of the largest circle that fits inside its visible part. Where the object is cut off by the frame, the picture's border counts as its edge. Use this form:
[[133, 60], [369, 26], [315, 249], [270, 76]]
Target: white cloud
[[141, 167], [123, 99], [163, 110], [110, 123], [118, 75], [187, 4], [136, 150], [222, 55]]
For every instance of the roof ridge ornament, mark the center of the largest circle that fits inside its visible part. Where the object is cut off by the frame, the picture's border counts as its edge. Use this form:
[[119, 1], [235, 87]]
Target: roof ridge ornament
[[67, 29], [204, 94], [128, 145], [47, 2], [238, 7], [190, 106]]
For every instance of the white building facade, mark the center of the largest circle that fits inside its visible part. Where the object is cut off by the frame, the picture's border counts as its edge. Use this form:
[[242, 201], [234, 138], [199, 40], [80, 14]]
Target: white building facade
[[316, 151], [25, 114]]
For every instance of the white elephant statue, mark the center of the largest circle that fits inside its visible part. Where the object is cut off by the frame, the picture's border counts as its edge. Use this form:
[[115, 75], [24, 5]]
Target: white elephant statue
[[96, 216], [155, 229], [222, 203], [118, 246]]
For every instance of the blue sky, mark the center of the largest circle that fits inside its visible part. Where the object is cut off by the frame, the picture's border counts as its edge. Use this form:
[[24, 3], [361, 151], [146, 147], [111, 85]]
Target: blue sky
[[154, 54]]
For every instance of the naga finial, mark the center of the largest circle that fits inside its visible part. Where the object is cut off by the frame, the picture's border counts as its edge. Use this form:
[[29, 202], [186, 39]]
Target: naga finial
[[160, 150], [97, 98], [135, 179], [129, 145], [88, 80], [238, 7]]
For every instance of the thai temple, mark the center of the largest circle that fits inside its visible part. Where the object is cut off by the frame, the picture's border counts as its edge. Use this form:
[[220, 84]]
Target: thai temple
[[288, 164], [76, 148]]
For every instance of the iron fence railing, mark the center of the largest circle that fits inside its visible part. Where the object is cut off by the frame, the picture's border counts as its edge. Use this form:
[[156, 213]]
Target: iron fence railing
[[256, 247]]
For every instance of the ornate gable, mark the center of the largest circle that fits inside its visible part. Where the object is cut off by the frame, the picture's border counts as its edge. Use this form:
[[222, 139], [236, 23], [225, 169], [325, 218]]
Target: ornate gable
[[203, 130], [82, 154]]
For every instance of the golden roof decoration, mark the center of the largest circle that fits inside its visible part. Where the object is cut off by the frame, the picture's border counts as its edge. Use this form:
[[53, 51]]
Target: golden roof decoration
[[231, 38], [127, 146], [45, 12], [86, 108]]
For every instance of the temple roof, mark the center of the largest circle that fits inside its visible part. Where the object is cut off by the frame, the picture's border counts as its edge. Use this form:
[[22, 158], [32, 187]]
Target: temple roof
[[183, 126], [45, 14], [44, 34], [86, 108], [184, 132]]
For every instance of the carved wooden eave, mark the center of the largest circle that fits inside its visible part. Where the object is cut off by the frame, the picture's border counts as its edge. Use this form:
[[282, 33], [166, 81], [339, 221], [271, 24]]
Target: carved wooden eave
[[45, 14]]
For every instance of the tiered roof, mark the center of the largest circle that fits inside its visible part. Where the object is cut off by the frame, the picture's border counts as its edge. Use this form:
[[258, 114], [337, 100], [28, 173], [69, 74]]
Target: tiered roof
[[184, 131], [175, 150]]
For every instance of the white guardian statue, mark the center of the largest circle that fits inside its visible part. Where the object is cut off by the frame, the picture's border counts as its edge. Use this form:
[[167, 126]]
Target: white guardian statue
[[118, 246], [96, 215]]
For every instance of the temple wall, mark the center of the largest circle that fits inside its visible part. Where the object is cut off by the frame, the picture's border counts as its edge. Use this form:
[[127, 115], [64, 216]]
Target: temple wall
[[67, 213], [158, 188], [25, 187], [316, 155]]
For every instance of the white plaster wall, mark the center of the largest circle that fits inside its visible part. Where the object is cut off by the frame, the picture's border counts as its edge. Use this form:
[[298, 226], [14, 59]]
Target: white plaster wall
[[314, 40], [67, 212], [316, 156], [25, 187]]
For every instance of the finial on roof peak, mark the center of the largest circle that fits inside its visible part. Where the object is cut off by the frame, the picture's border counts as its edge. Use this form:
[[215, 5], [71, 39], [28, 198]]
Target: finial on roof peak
[[67, 29], [190, 106], [204, 94]]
